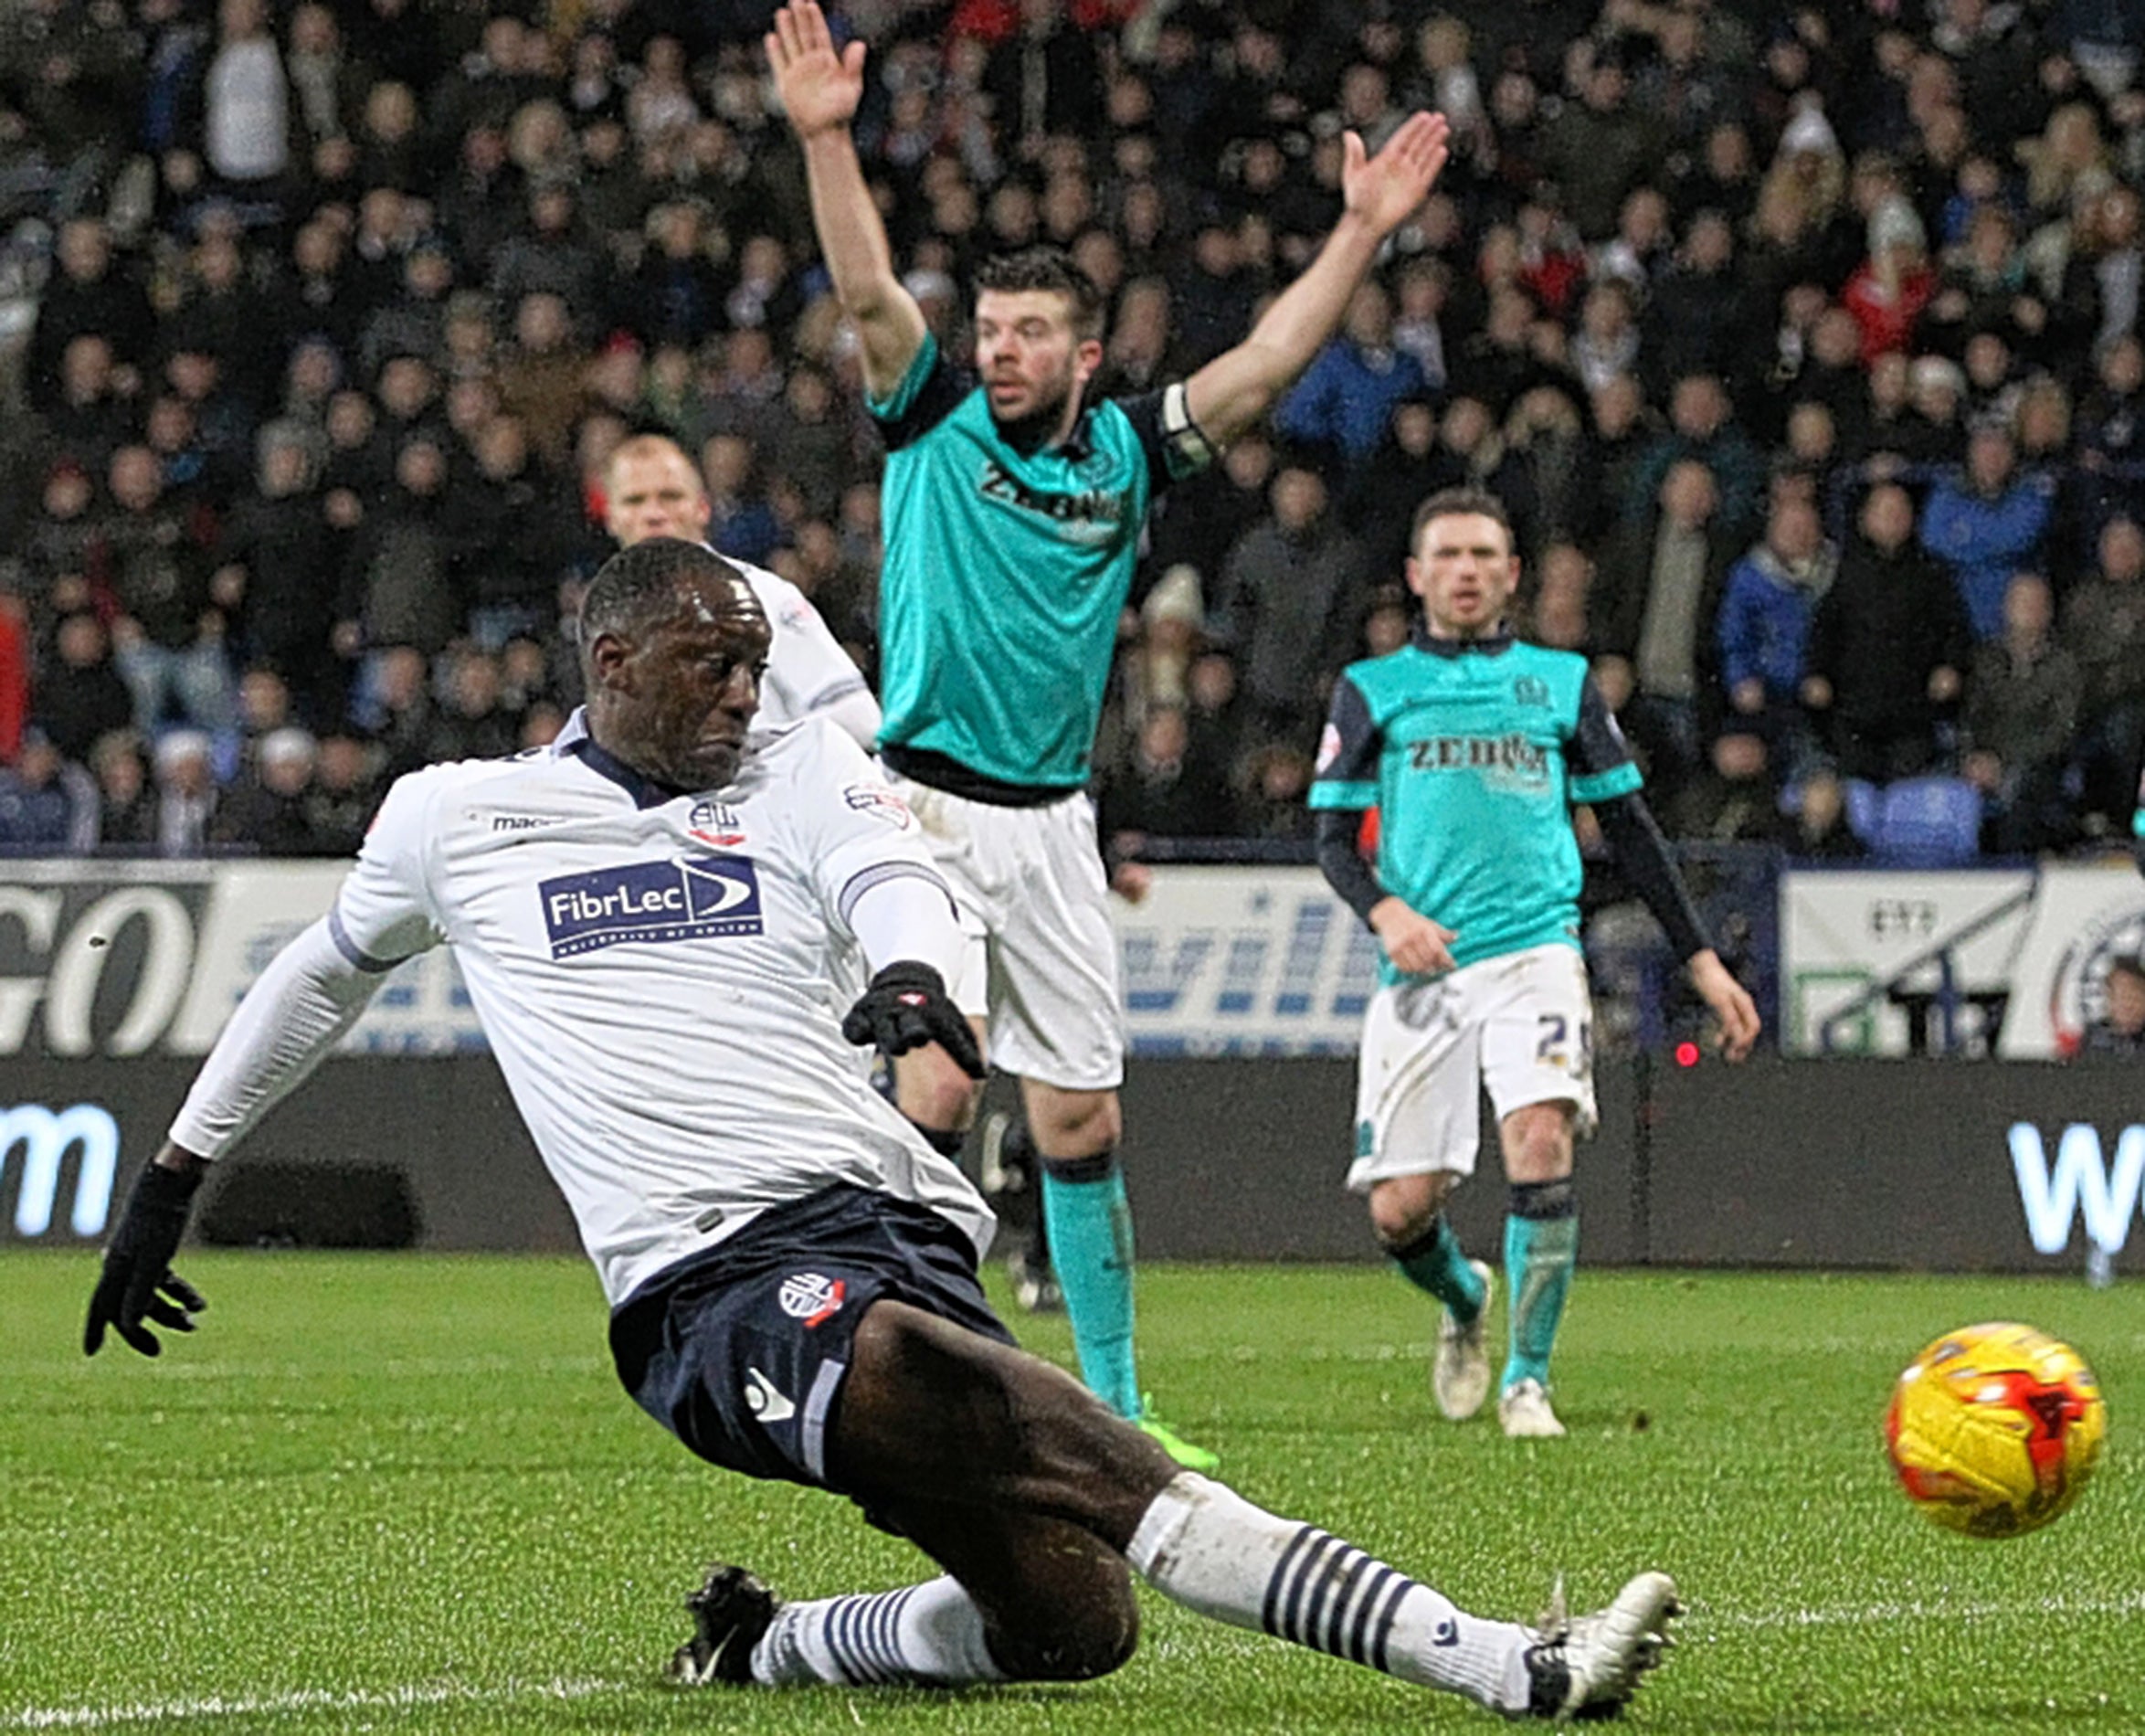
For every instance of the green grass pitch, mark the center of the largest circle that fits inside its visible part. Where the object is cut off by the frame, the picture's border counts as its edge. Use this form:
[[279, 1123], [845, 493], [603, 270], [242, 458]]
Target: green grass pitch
[[405, 1494]]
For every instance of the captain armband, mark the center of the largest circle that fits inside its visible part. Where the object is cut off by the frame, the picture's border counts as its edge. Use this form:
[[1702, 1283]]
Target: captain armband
[[1183, 439]]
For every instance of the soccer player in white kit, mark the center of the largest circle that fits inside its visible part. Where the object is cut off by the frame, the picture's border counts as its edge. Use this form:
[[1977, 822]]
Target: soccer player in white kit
[[651, 487], [643, 917]]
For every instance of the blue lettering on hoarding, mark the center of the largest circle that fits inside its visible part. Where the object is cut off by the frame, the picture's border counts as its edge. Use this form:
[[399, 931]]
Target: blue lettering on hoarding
[[1155, 985]]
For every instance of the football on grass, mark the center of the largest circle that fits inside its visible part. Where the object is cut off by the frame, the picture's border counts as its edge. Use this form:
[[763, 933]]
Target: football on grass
[[1994, 1429]]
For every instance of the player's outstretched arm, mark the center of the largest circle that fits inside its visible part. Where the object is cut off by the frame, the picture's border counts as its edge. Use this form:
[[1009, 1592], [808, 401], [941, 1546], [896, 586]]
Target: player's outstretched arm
[[821, 88], [1238, 387], [294, 1013]]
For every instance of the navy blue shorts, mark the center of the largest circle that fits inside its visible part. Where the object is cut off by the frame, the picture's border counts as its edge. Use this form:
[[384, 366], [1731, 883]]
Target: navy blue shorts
[[740, 1351]]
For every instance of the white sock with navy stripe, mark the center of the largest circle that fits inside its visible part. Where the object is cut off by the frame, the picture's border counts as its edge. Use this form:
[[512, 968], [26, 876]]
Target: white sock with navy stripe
[[931, 1633], [1206, 1547]]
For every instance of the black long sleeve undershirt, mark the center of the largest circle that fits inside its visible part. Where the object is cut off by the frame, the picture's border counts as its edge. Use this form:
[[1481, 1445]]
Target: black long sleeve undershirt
[[1631, 833], [1342, 863], [1627, 826]]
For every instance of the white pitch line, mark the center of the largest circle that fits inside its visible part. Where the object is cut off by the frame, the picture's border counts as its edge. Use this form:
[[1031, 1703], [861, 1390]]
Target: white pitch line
[[304, 1699], [1918, 1610]]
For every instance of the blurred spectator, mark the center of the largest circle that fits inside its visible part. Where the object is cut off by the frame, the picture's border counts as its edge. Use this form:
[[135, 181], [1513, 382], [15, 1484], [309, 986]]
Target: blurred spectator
[[2021, 700], [1985, 523], [168, 638], [91, 294], [1291, 603], [471, 723], [344, 793], [396, 708], [1764, 625], [2119, 1029], [247, 119], [126, 805], [276, 571], [1735, 796], [1887, 644], [2104, 630], [185, 792], [266, 808], [80, 697], [1165, 791], [1276, 780], [1341, 404], [399, 580], [1658, 592], [1702, 428], [48, 804]]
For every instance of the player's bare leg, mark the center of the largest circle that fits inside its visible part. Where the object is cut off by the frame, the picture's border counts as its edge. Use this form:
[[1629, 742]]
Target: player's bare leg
[[1407, 1216], [1026, 1489], [1089, 1224], [1541, 1248]]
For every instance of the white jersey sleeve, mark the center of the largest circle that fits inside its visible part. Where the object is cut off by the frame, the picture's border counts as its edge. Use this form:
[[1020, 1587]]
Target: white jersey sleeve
[[807, 670], [858, 833], [385, 912]]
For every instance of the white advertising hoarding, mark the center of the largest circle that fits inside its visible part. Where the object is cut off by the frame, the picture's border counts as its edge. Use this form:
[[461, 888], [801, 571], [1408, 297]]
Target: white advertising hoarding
[[1848, 935], [121, 959]]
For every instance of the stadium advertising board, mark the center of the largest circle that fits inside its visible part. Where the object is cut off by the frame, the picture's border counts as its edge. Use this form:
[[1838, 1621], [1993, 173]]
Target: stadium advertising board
[[130, 958], [1243, 962], [2082, 918], [1944, 1165], [135, 958], [1850, 937]]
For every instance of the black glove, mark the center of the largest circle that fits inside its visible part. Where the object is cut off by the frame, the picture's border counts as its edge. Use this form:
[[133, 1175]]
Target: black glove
[[905, 1008], [138, 1264]]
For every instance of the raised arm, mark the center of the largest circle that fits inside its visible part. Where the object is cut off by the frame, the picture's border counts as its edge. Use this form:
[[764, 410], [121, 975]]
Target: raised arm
[[820, 90], [1238, 387]]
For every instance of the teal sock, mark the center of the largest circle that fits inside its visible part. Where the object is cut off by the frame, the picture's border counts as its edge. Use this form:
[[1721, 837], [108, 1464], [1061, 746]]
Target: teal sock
[[1089, 1222], [1541, 1246], [1434, 1262]]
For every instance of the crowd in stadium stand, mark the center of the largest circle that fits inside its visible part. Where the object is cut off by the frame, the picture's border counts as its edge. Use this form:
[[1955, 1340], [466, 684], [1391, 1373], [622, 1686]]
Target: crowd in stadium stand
[[1807, 345]]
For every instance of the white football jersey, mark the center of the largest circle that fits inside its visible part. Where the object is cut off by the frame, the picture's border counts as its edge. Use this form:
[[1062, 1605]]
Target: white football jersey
[[652, 972], [807, 670]]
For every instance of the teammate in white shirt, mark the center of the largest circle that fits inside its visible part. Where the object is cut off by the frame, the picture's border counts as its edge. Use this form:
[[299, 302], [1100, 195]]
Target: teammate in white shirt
[[641, 916], [652, 489]]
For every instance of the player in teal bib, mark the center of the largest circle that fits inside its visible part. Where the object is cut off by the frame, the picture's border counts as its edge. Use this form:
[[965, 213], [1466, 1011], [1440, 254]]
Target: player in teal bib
[[1472, 747], [1013, 508]]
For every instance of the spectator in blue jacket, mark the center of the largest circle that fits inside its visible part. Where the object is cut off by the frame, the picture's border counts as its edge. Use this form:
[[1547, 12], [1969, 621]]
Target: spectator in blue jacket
[[1345, 397], [1986, 524], [1764, 624]]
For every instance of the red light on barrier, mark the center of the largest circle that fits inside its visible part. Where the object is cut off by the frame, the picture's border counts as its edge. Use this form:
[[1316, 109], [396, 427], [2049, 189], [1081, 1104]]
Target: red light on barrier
[[1686, 1053]]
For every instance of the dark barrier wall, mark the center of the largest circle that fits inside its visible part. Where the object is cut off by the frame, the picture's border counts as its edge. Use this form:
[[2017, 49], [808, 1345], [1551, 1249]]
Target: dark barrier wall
[[1945, 1165], [1245, 1159], [445, 1124], [1872, 1163]]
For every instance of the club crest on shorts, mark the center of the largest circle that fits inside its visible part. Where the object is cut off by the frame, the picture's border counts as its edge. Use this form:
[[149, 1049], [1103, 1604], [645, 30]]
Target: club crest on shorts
[[812, 1296]]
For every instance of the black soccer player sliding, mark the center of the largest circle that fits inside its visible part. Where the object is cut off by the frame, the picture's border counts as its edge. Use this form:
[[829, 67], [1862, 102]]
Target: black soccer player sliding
[[791, 1267]]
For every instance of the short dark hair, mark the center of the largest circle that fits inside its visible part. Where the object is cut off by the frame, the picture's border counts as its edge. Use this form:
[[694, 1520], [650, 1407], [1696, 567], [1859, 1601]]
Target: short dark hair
[[1046, 267], [1456, 502], [2128, 963], [639, 585]]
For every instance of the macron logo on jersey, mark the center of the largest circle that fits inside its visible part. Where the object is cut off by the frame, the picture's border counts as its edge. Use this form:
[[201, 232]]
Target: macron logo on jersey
[[692, 899]]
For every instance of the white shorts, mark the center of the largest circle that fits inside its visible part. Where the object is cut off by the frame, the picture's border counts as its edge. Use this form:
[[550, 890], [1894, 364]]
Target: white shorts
[[1522, 1024], [1041, 960]]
